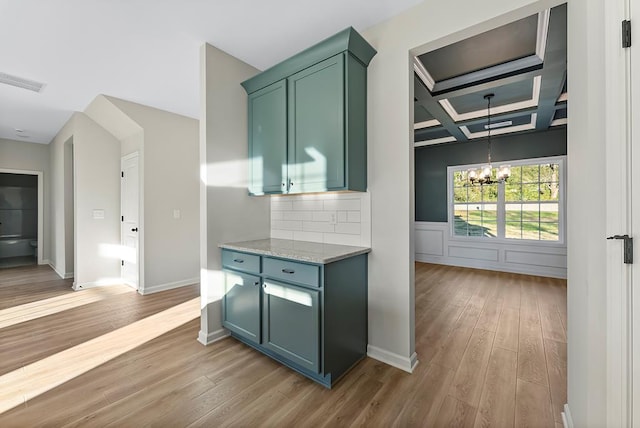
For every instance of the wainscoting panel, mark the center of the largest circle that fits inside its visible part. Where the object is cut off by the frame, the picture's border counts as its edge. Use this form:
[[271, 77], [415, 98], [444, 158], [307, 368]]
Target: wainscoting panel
[[434, 244], [430, 242]]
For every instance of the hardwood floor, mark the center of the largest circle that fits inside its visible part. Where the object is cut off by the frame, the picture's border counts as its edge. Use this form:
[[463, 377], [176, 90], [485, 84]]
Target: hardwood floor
[[492, 351]]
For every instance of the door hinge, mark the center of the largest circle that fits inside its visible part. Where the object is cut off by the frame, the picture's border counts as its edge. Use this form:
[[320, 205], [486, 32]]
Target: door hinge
[[122, 174], [626, 33], [122, 218], [122, 262], [628, 247]]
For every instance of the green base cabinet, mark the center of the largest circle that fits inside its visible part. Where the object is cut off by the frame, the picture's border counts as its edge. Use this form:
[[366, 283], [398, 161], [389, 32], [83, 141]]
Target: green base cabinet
[[307, 120], [310, 317]]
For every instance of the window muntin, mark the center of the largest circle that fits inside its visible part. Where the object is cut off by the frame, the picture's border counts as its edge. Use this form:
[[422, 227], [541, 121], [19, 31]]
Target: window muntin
[[528, 206]]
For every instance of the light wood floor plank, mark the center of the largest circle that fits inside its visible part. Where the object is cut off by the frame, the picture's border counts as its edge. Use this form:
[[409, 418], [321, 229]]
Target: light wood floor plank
[[469, 377], [508, 328], [497, 403], [533, 405], [556, 353], [455, 414]]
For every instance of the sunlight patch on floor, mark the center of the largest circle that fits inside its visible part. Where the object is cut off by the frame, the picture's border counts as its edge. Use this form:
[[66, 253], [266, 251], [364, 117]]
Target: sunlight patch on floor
[[54, 305], [26, 383]]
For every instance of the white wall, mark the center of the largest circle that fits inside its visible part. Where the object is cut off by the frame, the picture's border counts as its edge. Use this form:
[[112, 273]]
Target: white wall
[[434, 244], [170, 171], [586, 232], [96, 158], [331, 218], [31, 157], [227, 212]]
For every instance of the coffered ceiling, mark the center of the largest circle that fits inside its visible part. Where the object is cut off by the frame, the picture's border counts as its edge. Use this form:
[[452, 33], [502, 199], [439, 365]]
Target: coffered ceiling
[[524, 64]]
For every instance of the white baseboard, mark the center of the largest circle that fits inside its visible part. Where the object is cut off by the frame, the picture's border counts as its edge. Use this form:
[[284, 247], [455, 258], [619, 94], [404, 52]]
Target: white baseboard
[[67, 275], [168, 286], [567, 421], [208, 339], [101, 283], [545, 271], [408, 364]]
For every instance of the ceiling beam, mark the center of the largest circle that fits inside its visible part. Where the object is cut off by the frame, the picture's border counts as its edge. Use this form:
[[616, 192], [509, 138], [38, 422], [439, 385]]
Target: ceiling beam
[[486, 86], [433, 106], [554, 69]]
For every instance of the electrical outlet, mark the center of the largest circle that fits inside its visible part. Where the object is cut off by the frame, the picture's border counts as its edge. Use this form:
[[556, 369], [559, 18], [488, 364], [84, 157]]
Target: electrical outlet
[[332, 218]]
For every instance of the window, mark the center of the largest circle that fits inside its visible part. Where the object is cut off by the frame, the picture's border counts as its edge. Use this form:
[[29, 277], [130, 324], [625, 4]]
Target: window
[[528, 206]]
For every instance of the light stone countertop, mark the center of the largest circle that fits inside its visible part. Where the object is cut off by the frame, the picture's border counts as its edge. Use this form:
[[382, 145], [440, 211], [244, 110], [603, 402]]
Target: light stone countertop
[[304, 251]]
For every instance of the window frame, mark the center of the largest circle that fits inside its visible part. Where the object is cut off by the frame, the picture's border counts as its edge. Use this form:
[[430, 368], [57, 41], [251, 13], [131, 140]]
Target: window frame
[[501, 204]]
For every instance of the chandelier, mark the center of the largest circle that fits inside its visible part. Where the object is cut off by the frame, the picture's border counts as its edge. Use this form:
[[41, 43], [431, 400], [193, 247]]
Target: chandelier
[[484, 175]]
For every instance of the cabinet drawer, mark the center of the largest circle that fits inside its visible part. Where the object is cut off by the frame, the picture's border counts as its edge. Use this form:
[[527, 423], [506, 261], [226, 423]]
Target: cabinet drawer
[[241, 261], [292, 271]]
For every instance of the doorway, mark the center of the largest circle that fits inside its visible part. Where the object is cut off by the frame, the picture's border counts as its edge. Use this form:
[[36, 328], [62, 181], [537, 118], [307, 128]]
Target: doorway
[[21, 217], [130, 220], [490, 103]]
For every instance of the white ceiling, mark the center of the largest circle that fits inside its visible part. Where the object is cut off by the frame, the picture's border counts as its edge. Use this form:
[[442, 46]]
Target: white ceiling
[[147, 51]]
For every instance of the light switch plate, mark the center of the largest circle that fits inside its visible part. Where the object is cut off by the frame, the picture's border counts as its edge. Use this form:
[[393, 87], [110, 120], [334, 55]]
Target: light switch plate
[[176, 214]]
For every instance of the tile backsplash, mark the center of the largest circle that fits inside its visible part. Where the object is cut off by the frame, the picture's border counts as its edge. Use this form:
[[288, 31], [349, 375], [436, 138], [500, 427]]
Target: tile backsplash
[[331, 218]]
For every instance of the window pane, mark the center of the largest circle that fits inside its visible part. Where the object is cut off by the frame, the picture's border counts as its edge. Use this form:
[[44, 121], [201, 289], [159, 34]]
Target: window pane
[[459, 178], [530, 230], [530, 192], [512, 192], [490, 213], [549, 191], [513, 230], [549, 213], [549, 232], [530, 212], [530, 173], [459, 227], [475, 194], [549, 173], [513, 212], [460, 194], [516, 174], [490, 193], [490, 228]]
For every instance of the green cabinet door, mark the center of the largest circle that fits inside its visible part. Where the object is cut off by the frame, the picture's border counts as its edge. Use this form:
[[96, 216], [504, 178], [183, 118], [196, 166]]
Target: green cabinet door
[[291, 323], [317, 127], [268, 139], [241, 305]]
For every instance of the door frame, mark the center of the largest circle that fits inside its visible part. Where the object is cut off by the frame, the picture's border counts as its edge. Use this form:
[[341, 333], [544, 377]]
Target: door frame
[[619, 161], [40, 175], [139, 286]]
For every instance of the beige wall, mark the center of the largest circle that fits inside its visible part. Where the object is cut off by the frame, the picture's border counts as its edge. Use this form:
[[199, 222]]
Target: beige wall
[[96, 180], [227, 212], [168, 145], [31, 157]]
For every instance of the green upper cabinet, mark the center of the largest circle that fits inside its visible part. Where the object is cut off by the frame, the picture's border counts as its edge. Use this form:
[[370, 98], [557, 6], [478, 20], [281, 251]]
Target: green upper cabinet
[[268, 139], [307, 119]]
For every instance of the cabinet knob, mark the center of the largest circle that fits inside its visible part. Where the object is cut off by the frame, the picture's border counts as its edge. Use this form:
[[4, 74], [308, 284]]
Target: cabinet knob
[[283, 184], [291, 184], [256, 283]]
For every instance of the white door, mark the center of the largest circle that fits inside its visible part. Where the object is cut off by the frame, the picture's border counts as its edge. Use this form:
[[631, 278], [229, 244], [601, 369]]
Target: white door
[[130, 196], [623, 218], [634, 130]]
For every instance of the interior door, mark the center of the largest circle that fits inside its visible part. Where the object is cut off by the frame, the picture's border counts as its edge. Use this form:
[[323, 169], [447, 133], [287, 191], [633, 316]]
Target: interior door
[[130, 195], [634, 130]]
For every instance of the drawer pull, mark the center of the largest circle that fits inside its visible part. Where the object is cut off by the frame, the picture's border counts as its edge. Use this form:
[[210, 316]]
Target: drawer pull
[[238, 261], [256, 283], [289, 271]]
